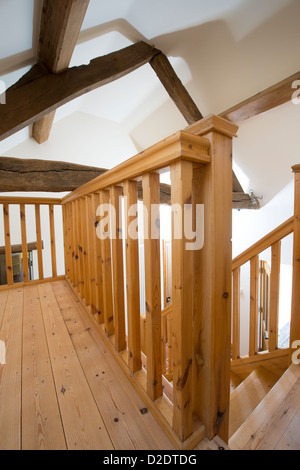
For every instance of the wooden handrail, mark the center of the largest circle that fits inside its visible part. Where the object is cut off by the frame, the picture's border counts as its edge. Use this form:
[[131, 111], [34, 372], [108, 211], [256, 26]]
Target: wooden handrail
[[180, 145], [30, 200], [266, 242]]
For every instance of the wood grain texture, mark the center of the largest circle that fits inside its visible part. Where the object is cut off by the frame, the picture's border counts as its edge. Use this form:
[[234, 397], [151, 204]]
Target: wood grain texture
[[278, 234], [248, 395], [40, 413], [8, 257], [132, 279], [118, 269], [60, 26], [254, 282], [158, 156], [267, 99], [152, 285], [17, 174], [274, 295], [270, 421], [213, 280], [182, 301], [236, 313], [108, 304], [52, 240], [69, 382], [83, 426], [10, 373], [174, 87], [26, 100], [24, 242]]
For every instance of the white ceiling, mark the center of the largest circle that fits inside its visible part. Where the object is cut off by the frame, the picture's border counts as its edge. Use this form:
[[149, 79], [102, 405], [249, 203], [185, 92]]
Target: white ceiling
[[223, 52]]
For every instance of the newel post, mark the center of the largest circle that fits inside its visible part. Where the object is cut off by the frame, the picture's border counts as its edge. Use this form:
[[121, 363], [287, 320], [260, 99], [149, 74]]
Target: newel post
[[295, 314], [212, 187]]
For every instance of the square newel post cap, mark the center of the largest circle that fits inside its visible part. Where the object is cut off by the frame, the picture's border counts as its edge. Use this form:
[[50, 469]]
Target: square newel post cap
[[296, 168], [213, 123]]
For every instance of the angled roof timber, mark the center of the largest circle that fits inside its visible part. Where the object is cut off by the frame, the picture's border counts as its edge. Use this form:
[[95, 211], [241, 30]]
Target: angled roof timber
[[60, 27]]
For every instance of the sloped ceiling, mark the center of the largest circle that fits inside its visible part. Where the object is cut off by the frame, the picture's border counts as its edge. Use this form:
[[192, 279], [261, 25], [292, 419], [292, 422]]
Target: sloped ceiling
[[223, 52]]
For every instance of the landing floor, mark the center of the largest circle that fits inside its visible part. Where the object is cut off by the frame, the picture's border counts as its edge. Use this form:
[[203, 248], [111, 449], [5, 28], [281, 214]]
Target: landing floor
[[60, 387]]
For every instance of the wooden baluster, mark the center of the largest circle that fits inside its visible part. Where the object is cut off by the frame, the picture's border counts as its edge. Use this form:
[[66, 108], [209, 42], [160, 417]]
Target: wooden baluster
[[98, 260], [274, 296], [8, 257], [65, 232], [164, 323], [295, 316], [69, 242], [167, 320], [75, 246], [24, 242], [118, 274], [152, 285], [170, 340], [85, 253], [182, 300], [52, 240], [106, 266], [254, 282], [39, 240], [91, 233], [81, 249], [132, 280], [236, 314]]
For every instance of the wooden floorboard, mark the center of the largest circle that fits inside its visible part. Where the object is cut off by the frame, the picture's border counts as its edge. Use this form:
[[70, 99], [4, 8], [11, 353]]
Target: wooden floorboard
[[60, 387], [120, 404], [10, 373], [41, 421], [83, 425]]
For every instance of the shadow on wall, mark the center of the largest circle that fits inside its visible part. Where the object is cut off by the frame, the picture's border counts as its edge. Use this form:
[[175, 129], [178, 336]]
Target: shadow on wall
[[226, 69]]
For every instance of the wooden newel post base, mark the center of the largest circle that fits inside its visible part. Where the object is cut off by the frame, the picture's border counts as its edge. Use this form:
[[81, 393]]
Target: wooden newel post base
[[212, 187]]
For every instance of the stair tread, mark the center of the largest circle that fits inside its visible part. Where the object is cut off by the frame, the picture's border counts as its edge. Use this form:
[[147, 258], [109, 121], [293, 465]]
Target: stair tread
[[267, 426], [247, 396]]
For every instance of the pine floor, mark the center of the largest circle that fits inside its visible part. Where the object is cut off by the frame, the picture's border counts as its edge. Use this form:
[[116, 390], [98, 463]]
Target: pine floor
[[60, 388]]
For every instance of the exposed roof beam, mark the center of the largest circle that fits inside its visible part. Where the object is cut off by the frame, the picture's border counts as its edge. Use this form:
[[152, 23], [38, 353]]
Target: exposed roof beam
[[267, 99], [60, 27], [39, 92], [178, 93], [30, 175]]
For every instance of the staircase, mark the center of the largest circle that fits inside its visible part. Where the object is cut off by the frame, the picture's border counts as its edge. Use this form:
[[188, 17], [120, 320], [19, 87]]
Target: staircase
[[265, 413]]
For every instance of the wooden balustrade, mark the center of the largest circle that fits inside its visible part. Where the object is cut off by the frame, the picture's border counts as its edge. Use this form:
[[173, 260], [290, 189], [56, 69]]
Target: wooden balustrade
[[37, 245], [103, 267], [177, 353], [271, 241]]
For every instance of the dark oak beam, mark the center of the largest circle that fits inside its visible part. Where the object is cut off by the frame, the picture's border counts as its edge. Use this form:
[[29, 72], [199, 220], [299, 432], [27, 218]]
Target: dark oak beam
[[60, 27], [39, 92], [18, 248], [270, 98], [32, 175], [178, 93]]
